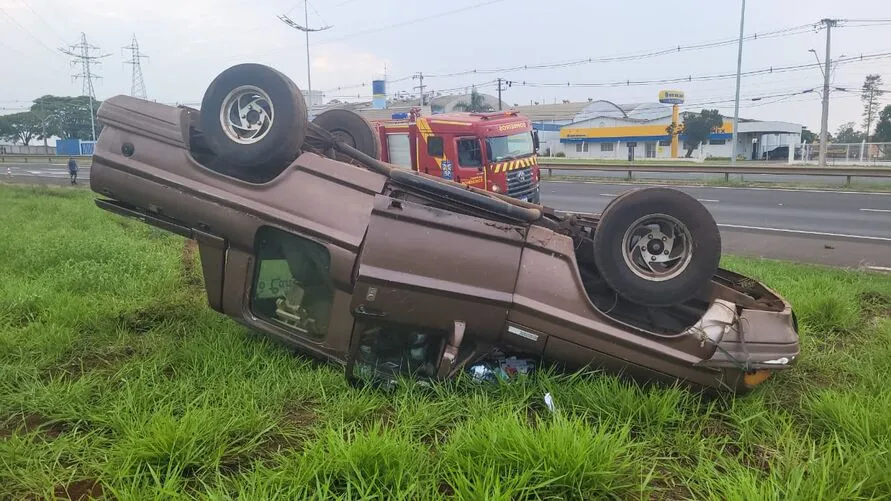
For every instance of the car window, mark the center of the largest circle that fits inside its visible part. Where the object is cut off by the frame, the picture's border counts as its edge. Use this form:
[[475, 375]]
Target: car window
[[399, 150], [469, 153], [292, 285]]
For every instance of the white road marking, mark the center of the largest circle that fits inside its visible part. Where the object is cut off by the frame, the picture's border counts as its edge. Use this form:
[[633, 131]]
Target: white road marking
[[608, 195], [796, 190], [802, 232], [878, 268], [708, 200], [760, 228], [779, 205], [876, 210]]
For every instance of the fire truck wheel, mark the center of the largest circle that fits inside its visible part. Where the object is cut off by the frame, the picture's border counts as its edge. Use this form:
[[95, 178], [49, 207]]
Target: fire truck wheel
[[351, 128], [254, 118], [657, 246]]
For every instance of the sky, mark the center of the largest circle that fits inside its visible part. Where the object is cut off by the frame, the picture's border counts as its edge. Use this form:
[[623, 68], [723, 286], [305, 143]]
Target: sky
[[189, 42]]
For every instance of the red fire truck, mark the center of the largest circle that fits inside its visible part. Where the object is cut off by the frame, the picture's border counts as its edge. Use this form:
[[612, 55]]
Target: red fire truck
[[492, 151]]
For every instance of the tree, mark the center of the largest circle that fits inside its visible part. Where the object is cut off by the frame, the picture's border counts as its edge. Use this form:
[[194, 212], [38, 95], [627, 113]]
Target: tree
[[696, 128], [870, 95], [20, 127], [883, 126], [809, 136], [67, 117], [848, 134], [476, 104]]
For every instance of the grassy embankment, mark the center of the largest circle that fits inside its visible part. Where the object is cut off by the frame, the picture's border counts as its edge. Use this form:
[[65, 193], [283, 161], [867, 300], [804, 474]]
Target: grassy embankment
[[117, 380]]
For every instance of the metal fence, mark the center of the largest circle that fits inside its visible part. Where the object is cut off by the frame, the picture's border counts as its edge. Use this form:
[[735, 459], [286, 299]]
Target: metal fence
[[862, 153], [20, 149]]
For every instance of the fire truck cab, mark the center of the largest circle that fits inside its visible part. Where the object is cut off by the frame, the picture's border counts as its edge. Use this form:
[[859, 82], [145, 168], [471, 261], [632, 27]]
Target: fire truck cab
[[493, 151]]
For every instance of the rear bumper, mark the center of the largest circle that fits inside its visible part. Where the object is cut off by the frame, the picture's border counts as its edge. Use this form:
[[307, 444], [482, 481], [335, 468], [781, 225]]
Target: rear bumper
[[758, 340]]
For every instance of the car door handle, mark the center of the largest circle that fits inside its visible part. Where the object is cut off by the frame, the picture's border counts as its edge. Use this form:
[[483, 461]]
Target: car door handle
[[369, 313]]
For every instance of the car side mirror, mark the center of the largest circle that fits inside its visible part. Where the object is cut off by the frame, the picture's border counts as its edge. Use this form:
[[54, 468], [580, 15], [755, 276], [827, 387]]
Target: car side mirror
[[535, 141]]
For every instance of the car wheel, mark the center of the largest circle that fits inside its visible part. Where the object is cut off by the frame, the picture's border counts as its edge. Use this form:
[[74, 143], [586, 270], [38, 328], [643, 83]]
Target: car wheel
[[351, 128], [254, 118], [657, 246]]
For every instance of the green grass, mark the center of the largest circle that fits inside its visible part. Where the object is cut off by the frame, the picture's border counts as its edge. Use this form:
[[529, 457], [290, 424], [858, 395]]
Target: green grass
[[117, 380]]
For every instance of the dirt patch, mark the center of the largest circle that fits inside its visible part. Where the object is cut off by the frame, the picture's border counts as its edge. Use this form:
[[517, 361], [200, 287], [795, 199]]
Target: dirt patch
[[28, 423], [108, 357], [874, 304], [300, 416], [140, 320], [79, 490]]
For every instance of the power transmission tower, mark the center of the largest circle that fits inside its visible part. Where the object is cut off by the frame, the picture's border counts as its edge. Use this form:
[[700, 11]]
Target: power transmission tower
[[420, 77], [137, 84], [305, 29], [81, 54]]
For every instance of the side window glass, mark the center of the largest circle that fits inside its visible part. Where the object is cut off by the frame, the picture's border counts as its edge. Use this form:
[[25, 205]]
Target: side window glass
[[293, 286], [469, 153], [434, 146], [399, 150]]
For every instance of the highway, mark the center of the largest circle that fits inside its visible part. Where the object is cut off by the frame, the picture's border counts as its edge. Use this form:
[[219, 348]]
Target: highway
[[838, 228], [695, 176]]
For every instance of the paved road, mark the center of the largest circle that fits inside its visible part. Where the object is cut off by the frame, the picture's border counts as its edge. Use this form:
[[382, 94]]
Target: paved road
[[812, 211], [693, 176], [812, 226], [824, 227]]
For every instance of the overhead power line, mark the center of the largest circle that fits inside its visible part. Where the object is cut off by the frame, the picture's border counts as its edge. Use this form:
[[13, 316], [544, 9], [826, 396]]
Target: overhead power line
[[691, 78], [635, 56]]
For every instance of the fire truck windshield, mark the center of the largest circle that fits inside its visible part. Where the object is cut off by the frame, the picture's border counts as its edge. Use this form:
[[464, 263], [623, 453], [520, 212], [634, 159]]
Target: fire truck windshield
[[509, 147]]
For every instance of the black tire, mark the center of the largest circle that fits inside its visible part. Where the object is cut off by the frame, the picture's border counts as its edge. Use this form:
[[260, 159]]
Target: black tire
[[351, 128], [618, 218], [279, 144]]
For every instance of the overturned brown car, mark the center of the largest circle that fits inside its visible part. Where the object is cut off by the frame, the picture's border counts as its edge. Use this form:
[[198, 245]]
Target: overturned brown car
[[306, 236]]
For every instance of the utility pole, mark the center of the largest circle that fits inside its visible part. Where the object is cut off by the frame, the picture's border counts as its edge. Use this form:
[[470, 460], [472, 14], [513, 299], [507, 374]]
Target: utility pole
[[733, 140], [824, 121], [420, 77], [81, 53], [500, 88], [869, 113], [305, 29], [137, 84]]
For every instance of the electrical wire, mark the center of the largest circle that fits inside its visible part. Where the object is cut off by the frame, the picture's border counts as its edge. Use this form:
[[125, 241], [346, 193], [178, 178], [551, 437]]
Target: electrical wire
[[408, 22], [704, 78], [26, 30], [789, 31]]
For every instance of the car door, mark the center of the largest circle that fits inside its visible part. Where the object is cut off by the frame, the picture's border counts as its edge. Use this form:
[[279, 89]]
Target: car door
[[296, 293], [469, 155], [436, 271]]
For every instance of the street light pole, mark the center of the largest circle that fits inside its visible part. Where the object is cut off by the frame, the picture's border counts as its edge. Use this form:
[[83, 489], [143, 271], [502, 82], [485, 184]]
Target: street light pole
[[305, 29], [742, 18], [824, 120]]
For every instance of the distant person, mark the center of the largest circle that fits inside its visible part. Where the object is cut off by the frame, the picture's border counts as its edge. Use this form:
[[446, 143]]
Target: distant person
[[72, 170]]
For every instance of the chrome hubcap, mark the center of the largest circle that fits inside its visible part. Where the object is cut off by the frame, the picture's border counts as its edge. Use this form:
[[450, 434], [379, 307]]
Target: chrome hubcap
[[657, 247], [246, 114]]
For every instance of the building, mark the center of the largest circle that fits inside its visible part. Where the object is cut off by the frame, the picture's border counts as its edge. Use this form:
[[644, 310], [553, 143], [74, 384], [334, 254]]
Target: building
[[547, 119], [605, 130]]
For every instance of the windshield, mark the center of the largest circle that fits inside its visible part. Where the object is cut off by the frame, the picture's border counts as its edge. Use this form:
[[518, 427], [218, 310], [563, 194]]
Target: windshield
[[508, 147]]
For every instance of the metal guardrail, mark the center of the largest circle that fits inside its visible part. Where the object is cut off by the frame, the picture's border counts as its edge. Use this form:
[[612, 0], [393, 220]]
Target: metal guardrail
[[44, 159], [726, 169], [848, 172]]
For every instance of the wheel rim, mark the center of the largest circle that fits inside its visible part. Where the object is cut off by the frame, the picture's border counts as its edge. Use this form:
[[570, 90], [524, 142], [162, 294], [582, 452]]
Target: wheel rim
[[247, 114], [657, 247]]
